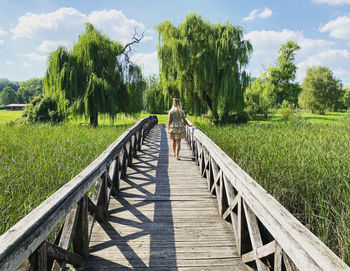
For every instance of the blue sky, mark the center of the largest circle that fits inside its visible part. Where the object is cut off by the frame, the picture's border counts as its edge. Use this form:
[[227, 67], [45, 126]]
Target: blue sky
[[30, 29]]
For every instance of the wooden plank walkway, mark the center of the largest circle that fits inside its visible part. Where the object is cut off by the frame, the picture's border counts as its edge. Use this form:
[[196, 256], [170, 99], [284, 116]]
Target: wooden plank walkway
[[164, 217]]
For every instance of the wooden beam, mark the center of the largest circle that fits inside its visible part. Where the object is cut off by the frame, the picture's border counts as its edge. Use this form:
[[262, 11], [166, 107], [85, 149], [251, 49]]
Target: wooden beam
[[266, 250], [66, 236], [255, 236], [42, 257], [278, 258], [81, 237], [63, 254]]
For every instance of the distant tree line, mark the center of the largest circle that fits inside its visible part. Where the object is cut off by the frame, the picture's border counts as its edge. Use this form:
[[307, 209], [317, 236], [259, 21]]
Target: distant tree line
[[19, 92], [276, 88]]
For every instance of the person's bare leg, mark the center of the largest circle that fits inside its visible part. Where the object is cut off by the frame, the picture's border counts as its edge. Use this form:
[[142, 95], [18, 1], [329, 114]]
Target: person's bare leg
[[178, 147], [174, 147]]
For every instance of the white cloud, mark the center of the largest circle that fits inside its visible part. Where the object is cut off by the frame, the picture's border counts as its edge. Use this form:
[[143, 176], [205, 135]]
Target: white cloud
[[8, 62], [25, 64], [265, 13], [148, 62], [35, 57], [331, 2], [64, 22], [2, 32], [313, 52], [1, 41], [51, 45], [334, 59], [254, 14], [338, 28], [115, 24]]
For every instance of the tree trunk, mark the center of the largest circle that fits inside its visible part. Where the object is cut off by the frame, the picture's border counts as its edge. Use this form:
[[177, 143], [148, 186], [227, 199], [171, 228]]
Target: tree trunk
[[94, 119]]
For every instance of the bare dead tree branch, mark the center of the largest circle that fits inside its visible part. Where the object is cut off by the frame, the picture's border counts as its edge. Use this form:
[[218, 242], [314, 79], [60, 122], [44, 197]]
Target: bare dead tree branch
[[127, 51]]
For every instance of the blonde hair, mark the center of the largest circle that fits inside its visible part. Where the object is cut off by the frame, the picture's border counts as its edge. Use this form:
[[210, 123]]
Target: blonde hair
[[176, 103]]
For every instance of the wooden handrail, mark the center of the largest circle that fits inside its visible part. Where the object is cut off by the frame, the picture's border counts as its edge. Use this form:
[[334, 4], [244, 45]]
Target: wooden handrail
[[27, 237], [266, 233]]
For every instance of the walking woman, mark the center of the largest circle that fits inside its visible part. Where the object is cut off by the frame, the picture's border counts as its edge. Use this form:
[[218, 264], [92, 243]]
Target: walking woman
[[176, 126]]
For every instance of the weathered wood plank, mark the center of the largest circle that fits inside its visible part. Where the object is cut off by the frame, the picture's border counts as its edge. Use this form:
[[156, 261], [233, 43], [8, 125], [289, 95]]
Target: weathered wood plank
[[66, 236], [64, 255]]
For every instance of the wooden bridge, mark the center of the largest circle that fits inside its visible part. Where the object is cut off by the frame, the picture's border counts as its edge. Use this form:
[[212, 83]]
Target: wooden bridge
[[136, 207]]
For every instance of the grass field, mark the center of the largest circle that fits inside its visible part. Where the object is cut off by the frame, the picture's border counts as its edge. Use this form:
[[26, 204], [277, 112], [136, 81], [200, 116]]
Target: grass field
[[9, 115]]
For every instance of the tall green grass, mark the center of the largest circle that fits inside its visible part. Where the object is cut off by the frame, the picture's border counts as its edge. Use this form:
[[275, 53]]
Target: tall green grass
[[36, 160], [9, 115], [305, 166]]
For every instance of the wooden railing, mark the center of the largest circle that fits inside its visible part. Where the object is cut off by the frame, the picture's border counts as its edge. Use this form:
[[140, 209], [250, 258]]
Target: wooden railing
[[268, 236], [25, 244]]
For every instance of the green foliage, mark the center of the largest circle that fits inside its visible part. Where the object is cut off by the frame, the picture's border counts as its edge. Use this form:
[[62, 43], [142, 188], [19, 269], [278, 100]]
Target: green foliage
[[154, 97], [136, 86], [43, 109], [287, 110], [7, 83], [202, 64], [36, 160], [259, 97], [90, 79], [304, 167], [28, 89], [8, 96], [282, 76], [346, 98], [321, 91]]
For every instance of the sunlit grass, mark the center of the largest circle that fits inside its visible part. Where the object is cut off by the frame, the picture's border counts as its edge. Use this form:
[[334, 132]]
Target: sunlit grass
[[36, 160], [275, 117], [10, 115]]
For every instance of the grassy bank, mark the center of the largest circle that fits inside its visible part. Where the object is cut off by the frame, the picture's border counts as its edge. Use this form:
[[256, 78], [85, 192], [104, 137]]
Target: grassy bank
[[305, 166]]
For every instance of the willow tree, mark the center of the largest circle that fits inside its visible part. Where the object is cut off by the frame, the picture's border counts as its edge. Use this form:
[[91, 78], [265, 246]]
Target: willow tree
[[90, 79], [204, 64]]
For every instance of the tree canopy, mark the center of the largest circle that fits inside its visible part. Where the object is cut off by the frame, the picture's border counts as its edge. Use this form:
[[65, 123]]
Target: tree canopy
[[260, 96], [283, 75], [8, 96], [320, 90], [154, 97], [28, 89], [202, 64], [4, 82], [90, 79]]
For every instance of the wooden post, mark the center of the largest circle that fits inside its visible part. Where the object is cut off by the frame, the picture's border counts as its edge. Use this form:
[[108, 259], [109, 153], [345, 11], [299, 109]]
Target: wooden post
[[81, 238], [130, 153], [115, 174], [123, 163]]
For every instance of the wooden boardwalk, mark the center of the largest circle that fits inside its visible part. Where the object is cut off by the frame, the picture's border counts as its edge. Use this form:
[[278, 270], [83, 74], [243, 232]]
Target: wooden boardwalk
[[164, 217]]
